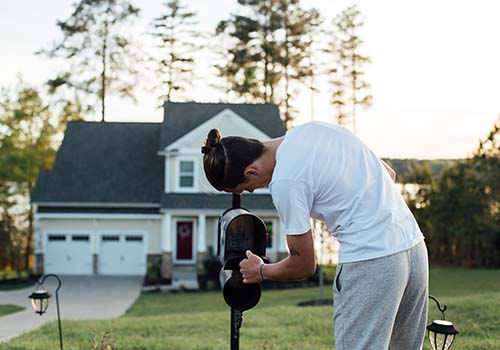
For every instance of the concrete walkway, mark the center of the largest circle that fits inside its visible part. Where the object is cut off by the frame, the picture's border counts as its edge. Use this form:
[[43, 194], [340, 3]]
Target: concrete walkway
[[80, 298]]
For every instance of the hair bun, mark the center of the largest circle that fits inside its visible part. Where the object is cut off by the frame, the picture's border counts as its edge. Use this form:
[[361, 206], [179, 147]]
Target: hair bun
[[212, 140]]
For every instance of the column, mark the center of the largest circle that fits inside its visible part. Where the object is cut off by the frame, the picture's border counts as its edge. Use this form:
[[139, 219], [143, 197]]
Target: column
[[166, 234], [202, 233], [202, 244], [167, 263]]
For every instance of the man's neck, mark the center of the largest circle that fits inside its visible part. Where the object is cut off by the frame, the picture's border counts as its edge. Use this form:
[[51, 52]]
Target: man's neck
[[269, 155]]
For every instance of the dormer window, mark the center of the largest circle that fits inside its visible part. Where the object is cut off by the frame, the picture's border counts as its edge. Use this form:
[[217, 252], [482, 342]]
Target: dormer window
[[186, 174]]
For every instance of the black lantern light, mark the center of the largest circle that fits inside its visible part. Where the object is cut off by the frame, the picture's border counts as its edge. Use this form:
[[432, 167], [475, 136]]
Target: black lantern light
[[441, 332], [40, 301]]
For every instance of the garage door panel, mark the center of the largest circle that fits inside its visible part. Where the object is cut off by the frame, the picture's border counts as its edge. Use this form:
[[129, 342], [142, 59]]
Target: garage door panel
[[68, 254], [122, 255]]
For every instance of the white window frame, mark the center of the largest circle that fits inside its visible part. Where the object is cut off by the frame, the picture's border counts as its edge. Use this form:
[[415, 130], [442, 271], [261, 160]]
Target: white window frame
[[178, 187]]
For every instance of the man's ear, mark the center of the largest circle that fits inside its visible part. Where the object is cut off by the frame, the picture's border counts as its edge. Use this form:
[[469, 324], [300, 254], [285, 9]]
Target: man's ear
[[251, 170]]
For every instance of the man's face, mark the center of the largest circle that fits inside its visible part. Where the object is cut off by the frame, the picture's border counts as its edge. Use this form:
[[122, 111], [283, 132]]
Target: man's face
[[249, 185], [254, 178]]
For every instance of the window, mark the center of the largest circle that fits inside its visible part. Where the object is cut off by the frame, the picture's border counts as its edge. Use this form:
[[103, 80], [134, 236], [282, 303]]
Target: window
[[110, 238], [81, 238], [269, 229], [53, 238], [186, 174], [133, 238]]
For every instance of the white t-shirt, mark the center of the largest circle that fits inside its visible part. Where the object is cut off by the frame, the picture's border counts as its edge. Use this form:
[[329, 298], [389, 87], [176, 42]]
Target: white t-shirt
[[325, 172]]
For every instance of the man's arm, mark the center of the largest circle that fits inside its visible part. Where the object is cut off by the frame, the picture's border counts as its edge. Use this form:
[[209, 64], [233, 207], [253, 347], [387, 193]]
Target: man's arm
[[391, 171], [299, 264]]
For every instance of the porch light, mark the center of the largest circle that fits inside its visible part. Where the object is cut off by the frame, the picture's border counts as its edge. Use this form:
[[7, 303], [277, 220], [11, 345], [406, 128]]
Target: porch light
[[40, 301], [441, 332]]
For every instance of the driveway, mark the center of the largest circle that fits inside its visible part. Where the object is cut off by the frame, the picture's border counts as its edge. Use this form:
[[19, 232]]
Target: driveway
[[80, 298]]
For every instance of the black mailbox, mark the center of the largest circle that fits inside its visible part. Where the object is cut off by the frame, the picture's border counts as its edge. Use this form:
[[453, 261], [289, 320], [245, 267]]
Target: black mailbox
[[239, 231]]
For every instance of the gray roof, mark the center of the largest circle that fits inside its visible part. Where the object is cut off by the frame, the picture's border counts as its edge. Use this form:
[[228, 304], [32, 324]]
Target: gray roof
[[118, 163], [215, 201], [180, 118], [105, 163]]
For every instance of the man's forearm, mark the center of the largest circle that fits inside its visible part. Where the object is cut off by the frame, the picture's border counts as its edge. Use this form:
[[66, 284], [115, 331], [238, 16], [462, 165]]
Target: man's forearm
[[289, 269], [298, 265]]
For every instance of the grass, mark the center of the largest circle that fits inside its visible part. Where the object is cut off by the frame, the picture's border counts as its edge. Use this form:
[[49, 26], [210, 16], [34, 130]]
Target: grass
[[200, 321], [9, 309]]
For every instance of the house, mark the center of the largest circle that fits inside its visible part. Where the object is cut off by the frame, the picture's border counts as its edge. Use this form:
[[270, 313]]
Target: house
[[125, 197]]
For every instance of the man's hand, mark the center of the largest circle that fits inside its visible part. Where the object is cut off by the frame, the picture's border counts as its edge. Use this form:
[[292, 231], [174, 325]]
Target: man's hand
[[249, 268]]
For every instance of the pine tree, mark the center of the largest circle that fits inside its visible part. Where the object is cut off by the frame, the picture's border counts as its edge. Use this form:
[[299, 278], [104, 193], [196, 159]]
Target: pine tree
[[243, 59], [490, 146], [268, 51], [349, 87], [99, 59], [175, 36], [299, 26]]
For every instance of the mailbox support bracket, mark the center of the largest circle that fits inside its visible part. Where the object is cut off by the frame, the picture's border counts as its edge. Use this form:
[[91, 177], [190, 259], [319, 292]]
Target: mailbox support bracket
[[236, 320], [236, 315]]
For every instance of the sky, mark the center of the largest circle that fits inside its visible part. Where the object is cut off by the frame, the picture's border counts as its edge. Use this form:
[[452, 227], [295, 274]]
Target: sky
[[435, 70]]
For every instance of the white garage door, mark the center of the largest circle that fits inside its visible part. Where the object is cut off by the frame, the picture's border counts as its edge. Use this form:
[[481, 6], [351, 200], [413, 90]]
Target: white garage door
[[68, 254], [122, 254]]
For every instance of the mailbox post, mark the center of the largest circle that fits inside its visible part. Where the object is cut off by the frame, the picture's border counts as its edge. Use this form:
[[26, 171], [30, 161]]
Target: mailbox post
[[239, 231]]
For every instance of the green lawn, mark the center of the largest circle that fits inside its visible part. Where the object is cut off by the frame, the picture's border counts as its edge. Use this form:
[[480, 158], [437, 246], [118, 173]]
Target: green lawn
[[9, 309], [201, 320]]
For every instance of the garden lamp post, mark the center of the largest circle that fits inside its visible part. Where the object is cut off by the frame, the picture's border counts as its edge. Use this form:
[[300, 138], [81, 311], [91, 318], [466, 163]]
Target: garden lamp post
[[40, 301], [441, 332]]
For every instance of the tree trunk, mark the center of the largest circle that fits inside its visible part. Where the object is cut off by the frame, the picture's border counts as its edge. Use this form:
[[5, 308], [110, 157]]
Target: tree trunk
[[103, 74], [29, 241]]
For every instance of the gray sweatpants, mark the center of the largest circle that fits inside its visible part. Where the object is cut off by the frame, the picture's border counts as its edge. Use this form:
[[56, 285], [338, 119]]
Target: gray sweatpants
[[381, 303]]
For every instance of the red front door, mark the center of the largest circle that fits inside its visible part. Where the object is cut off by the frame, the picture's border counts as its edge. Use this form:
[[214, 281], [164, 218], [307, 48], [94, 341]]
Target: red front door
[[184, 240]]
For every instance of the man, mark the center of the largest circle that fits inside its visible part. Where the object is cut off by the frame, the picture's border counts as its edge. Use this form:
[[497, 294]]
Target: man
[[322, 171]]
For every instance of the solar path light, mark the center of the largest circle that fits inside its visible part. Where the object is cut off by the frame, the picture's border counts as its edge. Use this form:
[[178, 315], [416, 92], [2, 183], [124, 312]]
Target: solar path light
[[441, 332], [239, 231], [40, 301]]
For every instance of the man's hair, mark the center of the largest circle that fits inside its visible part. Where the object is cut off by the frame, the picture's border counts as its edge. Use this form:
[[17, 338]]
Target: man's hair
[[225, 160]]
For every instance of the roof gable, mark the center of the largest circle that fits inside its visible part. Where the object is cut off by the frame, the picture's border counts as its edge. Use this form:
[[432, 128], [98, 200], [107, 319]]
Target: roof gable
[[228, 123], [181, 118]]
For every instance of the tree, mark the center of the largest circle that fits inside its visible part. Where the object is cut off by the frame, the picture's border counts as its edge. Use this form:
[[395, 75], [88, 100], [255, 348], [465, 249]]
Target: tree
[[465, 209], [299, 28], [174, 34], [244, 55], [98, 58], [28, 142], [349, 87], [268, 50], [490, 146], [418, 183]]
